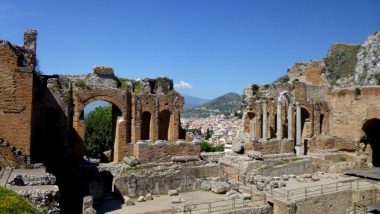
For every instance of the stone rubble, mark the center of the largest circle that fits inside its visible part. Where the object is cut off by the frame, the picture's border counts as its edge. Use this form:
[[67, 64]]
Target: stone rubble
[[220, 187]]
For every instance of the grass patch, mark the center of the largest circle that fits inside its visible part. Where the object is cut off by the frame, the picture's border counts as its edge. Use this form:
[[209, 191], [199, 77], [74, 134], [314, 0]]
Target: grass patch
[[12, 203]]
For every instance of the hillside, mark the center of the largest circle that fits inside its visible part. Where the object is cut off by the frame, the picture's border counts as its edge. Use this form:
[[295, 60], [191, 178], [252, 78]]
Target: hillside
[[220, 105], [191, 101]]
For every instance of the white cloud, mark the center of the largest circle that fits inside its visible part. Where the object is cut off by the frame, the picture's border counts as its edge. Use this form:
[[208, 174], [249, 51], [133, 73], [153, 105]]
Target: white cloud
[[183, 85]]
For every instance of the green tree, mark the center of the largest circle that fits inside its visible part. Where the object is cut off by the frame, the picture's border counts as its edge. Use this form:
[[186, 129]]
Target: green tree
[[98, 134], [209, 134]]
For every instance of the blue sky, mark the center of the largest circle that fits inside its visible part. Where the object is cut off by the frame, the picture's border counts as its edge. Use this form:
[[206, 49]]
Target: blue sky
[[212, 46]]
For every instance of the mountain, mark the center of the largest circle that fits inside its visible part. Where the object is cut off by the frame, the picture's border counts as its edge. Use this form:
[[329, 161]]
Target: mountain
[[191, 101], [220, 105]]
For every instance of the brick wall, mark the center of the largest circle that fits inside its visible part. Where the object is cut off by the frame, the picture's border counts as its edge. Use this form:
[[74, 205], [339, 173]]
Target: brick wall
[[16, 91], [271, 147], [146, 153], [349, 111]]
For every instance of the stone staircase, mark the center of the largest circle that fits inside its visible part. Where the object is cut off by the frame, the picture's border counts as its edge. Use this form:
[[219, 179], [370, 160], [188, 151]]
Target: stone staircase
[[10, 156]]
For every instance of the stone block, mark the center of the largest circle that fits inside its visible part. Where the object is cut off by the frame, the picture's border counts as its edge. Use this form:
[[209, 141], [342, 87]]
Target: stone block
[[128, 201], [173, 192]]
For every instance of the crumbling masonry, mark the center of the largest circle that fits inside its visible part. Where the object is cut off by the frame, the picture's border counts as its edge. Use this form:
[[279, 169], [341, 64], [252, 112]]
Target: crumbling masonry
[[306, 114], [41, 116]]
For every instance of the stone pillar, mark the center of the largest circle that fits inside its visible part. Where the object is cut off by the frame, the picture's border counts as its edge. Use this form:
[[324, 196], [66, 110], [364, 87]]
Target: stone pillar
[[279, 123], [120, 143], [298, 127], [265, 115], [290, 121]]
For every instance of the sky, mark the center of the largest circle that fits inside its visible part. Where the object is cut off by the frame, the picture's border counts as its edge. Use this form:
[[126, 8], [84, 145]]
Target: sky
[[208, 47]]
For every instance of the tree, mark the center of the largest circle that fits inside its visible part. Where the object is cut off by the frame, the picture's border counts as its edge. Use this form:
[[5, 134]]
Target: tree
[[98, 134]]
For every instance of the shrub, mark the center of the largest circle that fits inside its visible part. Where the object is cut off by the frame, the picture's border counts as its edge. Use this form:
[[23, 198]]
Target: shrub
[[341, 61], [206, 147], [283, 79], [81, 84]]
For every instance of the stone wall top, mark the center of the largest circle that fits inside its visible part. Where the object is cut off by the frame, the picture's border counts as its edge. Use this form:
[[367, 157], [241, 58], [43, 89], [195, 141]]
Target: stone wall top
[[103, 70]]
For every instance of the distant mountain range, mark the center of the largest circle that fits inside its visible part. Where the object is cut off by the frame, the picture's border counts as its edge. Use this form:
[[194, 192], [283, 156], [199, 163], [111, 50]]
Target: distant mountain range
[[191, 101], [220, 105]]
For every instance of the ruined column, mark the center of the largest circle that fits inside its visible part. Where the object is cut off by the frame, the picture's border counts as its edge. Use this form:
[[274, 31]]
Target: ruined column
[[279, 124], [298, 127], [290, 121], [264, 137]]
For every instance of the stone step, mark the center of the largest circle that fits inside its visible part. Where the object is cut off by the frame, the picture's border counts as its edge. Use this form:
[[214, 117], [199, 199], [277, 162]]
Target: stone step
[[4, 176]]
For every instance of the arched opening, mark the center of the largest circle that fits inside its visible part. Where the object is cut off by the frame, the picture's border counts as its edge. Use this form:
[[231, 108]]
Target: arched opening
[[371, 129], [145, 125], [100, 121], [163, 125], [321, 128]]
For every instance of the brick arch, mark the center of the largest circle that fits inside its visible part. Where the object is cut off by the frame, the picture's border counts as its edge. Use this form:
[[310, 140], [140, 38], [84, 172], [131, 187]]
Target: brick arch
[[164, 122], [119, 99], [146, 125], [114, 100]]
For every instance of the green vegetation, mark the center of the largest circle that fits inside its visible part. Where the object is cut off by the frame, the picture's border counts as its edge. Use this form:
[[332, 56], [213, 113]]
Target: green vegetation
[[98, 134], [206, 147], [123, 83], [282, 79], [341, 61], [81, 84], [137, 87], [376, 75], [227, 103], [342, 159], [209, 134], [11, 203]]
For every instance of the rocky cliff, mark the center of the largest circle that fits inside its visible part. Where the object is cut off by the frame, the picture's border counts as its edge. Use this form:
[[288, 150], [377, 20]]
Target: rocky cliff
[[367, 71]]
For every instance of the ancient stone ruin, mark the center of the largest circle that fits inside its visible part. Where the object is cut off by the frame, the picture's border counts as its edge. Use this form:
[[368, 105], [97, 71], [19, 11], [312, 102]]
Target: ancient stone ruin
[[301, 133], [41, 113]]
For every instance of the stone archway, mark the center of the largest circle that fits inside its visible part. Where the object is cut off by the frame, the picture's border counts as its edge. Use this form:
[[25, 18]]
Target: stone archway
[[120, 133], [371, 129], [164, 125]]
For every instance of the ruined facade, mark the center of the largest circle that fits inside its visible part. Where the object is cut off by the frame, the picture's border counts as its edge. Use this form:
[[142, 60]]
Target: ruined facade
[[306, 114], [42, 116]]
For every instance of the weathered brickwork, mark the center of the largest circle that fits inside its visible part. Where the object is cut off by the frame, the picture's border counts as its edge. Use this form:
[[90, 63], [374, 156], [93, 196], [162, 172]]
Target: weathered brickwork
[[314, 116], [163, 152], [351, 110], [16, 97], [44, 115]]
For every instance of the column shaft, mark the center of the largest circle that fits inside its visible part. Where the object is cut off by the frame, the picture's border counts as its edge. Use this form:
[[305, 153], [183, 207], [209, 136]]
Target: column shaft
[[298, 124], [279, 122], [264, 121], [290, 121]]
